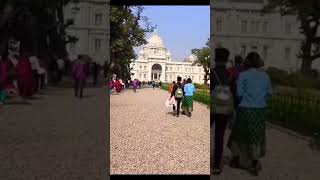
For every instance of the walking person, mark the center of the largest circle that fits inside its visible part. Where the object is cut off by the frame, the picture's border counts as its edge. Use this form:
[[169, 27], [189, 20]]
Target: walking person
[[135, 85], [153, 84], [80, 73], [61, 68], [248, 137], [24, 75], [171, 87], [118, 85], [34, 61], [160, 85], [189, 90], [178, 94], [222, 105]]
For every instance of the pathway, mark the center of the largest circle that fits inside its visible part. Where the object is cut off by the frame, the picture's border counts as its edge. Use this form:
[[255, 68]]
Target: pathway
[[57, 137], [288, 158], [146, 139]]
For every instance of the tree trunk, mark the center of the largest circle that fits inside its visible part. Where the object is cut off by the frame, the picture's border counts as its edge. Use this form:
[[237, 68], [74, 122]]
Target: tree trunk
[[306, 66], [206, 79]]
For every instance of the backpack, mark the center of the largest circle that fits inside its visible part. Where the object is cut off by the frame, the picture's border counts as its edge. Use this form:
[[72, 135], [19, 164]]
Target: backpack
[[179, 92], [223, 102]]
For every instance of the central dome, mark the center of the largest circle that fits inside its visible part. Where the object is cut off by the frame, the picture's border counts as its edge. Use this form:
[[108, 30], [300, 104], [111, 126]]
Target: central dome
[[155, 41]]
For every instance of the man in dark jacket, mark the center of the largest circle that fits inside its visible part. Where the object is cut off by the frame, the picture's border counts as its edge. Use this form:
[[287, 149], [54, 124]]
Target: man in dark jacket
[[219, 120], [178, 99]]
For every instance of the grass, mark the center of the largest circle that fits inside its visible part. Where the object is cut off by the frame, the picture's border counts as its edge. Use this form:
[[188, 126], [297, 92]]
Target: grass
[[201, 95], [300, 114]]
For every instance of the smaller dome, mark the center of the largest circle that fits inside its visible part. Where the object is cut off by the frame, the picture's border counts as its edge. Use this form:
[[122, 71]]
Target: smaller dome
[[168, 53], [141, 51], [192, 57]]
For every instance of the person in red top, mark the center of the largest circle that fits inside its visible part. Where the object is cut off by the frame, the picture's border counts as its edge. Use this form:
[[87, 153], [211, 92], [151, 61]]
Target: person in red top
[[118, 85], [234, 73], [24, 76]]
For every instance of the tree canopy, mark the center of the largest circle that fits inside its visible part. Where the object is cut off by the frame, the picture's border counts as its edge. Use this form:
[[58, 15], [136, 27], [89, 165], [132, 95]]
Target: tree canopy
[[308, 14], [39, 24], [203, 59], [125, 33]]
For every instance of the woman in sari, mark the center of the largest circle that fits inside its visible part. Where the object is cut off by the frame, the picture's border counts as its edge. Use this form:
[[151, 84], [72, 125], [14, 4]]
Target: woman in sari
[[248, 137], [187, 104], [7, 77], [24, 76], [118, 86]]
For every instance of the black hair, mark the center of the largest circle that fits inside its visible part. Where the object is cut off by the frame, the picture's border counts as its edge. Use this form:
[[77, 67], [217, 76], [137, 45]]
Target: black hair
[[253, 60], [238, 59], [179, 79], [222, 55], [189, 80]]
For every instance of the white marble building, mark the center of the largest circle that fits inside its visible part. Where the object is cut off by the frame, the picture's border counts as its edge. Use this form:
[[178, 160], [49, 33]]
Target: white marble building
[[155, 63], [239, 26], [90, 27]]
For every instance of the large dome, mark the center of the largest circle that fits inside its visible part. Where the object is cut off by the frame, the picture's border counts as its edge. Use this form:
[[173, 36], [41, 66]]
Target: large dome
[[155, 41]]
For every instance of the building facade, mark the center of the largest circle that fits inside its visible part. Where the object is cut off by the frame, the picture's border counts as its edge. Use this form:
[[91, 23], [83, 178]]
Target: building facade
[[240, 26], [155, 62], [90, 28]]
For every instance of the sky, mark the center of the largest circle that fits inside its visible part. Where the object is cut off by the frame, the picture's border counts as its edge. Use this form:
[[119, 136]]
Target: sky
[[181, 28]]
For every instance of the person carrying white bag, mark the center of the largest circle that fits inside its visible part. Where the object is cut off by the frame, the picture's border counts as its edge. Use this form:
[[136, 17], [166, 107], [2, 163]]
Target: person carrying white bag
[[170, 102]]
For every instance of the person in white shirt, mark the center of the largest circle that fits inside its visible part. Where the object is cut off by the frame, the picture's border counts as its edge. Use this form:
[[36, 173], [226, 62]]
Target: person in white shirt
[[61, 67], [34, 61]]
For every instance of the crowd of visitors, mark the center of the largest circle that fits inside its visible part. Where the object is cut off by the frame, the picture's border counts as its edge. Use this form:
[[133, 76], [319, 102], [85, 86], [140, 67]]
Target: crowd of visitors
[[239, 96], [24, 74], [181, 96]]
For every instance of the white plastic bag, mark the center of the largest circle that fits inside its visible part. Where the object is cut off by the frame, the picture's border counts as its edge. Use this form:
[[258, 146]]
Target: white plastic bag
[[170, 101]]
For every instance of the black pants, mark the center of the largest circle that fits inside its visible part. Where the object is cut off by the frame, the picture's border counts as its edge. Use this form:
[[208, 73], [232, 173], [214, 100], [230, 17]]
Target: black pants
[[178, 105], [35, 80], [79, 85], [42, 80], [220, 121]]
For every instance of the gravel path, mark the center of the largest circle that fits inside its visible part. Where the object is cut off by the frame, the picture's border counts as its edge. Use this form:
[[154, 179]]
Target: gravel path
[[288, 158], [58, 137], [145, 139]]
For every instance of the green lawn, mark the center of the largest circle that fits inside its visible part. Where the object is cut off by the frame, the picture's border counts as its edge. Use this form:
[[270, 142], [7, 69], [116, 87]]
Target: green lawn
[[201, 95]]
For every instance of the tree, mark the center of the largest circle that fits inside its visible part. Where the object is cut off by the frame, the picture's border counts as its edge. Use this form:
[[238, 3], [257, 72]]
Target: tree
[[38, 24], [203, 59], [125, 33], [308, 14]]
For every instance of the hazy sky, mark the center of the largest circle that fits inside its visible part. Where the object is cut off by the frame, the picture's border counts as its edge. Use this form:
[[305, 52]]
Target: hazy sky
[[181, 28]]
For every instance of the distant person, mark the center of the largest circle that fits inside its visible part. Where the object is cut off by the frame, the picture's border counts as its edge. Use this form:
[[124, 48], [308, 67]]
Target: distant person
[[95, 73], [42, 76], [178, 94], [24, 75], [135, 85], [80, 73], [61, 68], [189, 90], [160, 85], [153, 84], [118, 85], [34, 61], [222, 105], [171, 87], [248, 136]]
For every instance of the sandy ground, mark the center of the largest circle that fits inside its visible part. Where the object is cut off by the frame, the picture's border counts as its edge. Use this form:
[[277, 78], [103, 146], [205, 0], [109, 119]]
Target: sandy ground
[[55, 136], [147, 139], [288, 158]]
